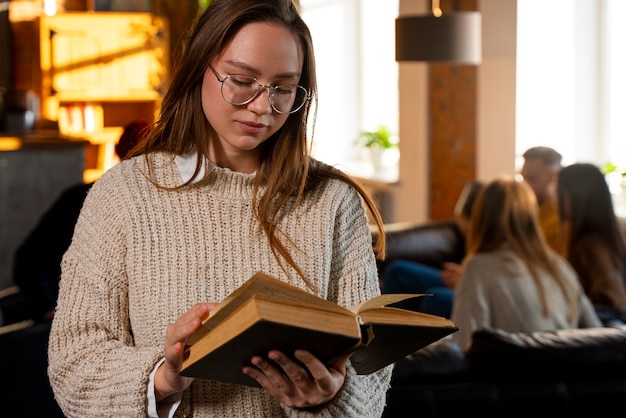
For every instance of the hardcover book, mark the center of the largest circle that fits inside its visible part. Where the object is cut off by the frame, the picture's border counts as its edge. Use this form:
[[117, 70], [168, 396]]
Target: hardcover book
[[267, 314]]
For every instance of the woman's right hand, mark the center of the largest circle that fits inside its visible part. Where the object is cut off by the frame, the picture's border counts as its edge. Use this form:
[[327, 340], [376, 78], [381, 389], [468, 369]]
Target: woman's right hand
[[167, 380]]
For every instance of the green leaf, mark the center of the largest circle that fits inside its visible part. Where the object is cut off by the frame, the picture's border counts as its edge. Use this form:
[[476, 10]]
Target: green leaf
[[381, 137]]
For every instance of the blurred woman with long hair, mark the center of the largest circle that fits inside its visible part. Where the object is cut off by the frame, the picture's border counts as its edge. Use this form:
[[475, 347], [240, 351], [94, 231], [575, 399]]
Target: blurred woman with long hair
[[512, 280], [594, 247]]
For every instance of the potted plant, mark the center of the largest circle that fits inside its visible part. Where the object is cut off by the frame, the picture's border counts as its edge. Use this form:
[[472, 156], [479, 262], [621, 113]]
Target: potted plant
[[380, 138], [378, 142]]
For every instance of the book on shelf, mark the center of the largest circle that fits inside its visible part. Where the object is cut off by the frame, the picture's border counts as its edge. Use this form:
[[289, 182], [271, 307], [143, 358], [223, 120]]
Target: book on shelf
[[267, 314]]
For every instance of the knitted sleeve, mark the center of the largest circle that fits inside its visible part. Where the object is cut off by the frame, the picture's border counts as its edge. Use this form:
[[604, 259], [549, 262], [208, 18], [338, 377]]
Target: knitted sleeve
[[94, 367]]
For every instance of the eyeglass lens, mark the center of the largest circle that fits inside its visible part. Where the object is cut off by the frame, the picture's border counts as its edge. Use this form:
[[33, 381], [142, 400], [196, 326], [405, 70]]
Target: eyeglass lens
[[284, 98]]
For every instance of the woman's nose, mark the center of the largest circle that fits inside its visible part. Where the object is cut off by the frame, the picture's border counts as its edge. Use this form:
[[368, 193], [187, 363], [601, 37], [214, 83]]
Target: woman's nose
[[261, 103]]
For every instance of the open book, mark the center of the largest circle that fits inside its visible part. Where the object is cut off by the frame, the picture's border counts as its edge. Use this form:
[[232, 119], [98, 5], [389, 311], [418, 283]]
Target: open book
[[267, 314]]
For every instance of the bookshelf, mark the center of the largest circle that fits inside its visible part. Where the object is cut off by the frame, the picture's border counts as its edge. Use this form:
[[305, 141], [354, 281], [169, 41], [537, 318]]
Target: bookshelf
[[98, 72]]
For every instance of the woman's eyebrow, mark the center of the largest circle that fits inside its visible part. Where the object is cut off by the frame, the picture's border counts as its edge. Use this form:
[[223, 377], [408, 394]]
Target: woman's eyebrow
[[245, 67]]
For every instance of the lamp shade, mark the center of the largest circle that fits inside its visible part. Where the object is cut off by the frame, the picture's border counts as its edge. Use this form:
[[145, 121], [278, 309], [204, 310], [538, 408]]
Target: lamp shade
[[453, 37]]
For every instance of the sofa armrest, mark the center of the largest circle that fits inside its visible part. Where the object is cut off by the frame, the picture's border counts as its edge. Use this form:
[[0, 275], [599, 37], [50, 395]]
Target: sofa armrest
[[442, 361]]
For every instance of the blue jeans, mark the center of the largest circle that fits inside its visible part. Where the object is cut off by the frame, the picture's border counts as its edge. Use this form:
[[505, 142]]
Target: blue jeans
[[403, 276]]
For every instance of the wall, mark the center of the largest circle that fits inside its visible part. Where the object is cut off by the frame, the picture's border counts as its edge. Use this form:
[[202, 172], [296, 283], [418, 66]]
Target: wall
[[411, 193], [497, 84]]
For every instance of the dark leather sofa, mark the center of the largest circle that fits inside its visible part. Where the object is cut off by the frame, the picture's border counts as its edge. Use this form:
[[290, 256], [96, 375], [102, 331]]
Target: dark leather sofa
[[429, 243], [566, 373]]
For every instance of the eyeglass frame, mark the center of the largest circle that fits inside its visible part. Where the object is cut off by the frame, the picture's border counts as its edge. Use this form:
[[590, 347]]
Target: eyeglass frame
[[270, 89]]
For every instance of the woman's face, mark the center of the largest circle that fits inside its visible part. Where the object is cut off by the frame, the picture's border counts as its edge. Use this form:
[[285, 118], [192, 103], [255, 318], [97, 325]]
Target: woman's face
[[272, 55]]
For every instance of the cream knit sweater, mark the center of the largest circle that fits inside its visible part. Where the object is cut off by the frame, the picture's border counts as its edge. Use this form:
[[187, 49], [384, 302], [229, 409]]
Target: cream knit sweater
[[142, 256]]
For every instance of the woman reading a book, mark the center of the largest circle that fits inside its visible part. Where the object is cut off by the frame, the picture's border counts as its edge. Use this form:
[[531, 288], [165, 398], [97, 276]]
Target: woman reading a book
[[223, 186]]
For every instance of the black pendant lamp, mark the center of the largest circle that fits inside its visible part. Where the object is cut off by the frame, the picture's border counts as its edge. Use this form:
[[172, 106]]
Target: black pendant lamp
[[452, 37]]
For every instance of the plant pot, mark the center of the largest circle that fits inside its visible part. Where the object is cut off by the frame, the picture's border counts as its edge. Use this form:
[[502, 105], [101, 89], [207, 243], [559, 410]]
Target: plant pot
[[383, 159]]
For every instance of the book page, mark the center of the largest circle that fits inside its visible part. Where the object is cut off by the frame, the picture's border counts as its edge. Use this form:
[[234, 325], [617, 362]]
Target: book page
[[262, 284], [397, 316], [383, 300]]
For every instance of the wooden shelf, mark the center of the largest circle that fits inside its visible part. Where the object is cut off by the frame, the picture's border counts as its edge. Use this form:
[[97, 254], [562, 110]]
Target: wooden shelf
[[98, 73]]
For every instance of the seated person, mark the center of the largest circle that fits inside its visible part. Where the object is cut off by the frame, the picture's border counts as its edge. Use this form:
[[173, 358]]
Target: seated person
[[512, 280], [595, 247], [541, 170], [37, 266], [404, 276]]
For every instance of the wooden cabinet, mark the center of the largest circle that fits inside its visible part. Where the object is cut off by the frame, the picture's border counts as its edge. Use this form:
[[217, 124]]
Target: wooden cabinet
[[98, 72]]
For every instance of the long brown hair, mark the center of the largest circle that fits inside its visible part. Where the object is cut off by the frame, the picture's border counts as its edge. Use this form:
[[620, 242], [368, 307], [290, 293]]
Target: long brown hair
[[506, 211], [182, 125], [589, 208]]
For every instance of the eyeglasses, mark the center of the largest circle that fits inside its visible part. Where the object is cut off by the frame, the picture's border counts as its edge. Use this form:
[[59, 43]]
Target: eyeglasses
[[239, 90]]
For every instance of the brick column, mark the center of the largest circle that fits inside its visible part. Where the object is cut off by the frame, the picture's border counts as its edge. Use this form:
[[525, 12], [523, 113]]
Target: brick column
[[452, 114]]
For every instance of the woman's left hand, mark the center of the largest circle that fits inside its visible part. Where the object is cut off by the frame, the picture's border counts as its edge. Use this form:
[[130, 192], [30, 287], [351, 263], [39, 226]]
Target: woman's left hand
[[451, 274], [292, 384]]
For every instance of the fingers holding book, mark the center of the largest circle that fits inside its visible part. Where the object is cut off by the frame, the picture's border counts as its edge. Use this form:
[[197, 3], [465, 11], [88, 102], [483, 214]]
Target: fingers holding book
[[302, 381], [167, 379]]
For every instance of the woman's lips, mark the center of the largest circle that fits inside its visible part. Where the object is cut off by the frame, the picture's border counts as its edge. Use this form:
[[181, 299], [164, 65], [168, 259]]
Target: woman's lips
[[251, 127]]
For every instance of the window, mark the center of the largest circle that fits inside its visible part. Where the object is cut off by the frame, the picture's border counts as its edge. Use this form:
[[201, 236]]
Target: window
[[615, 90], [571, 91], [354, 43]]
